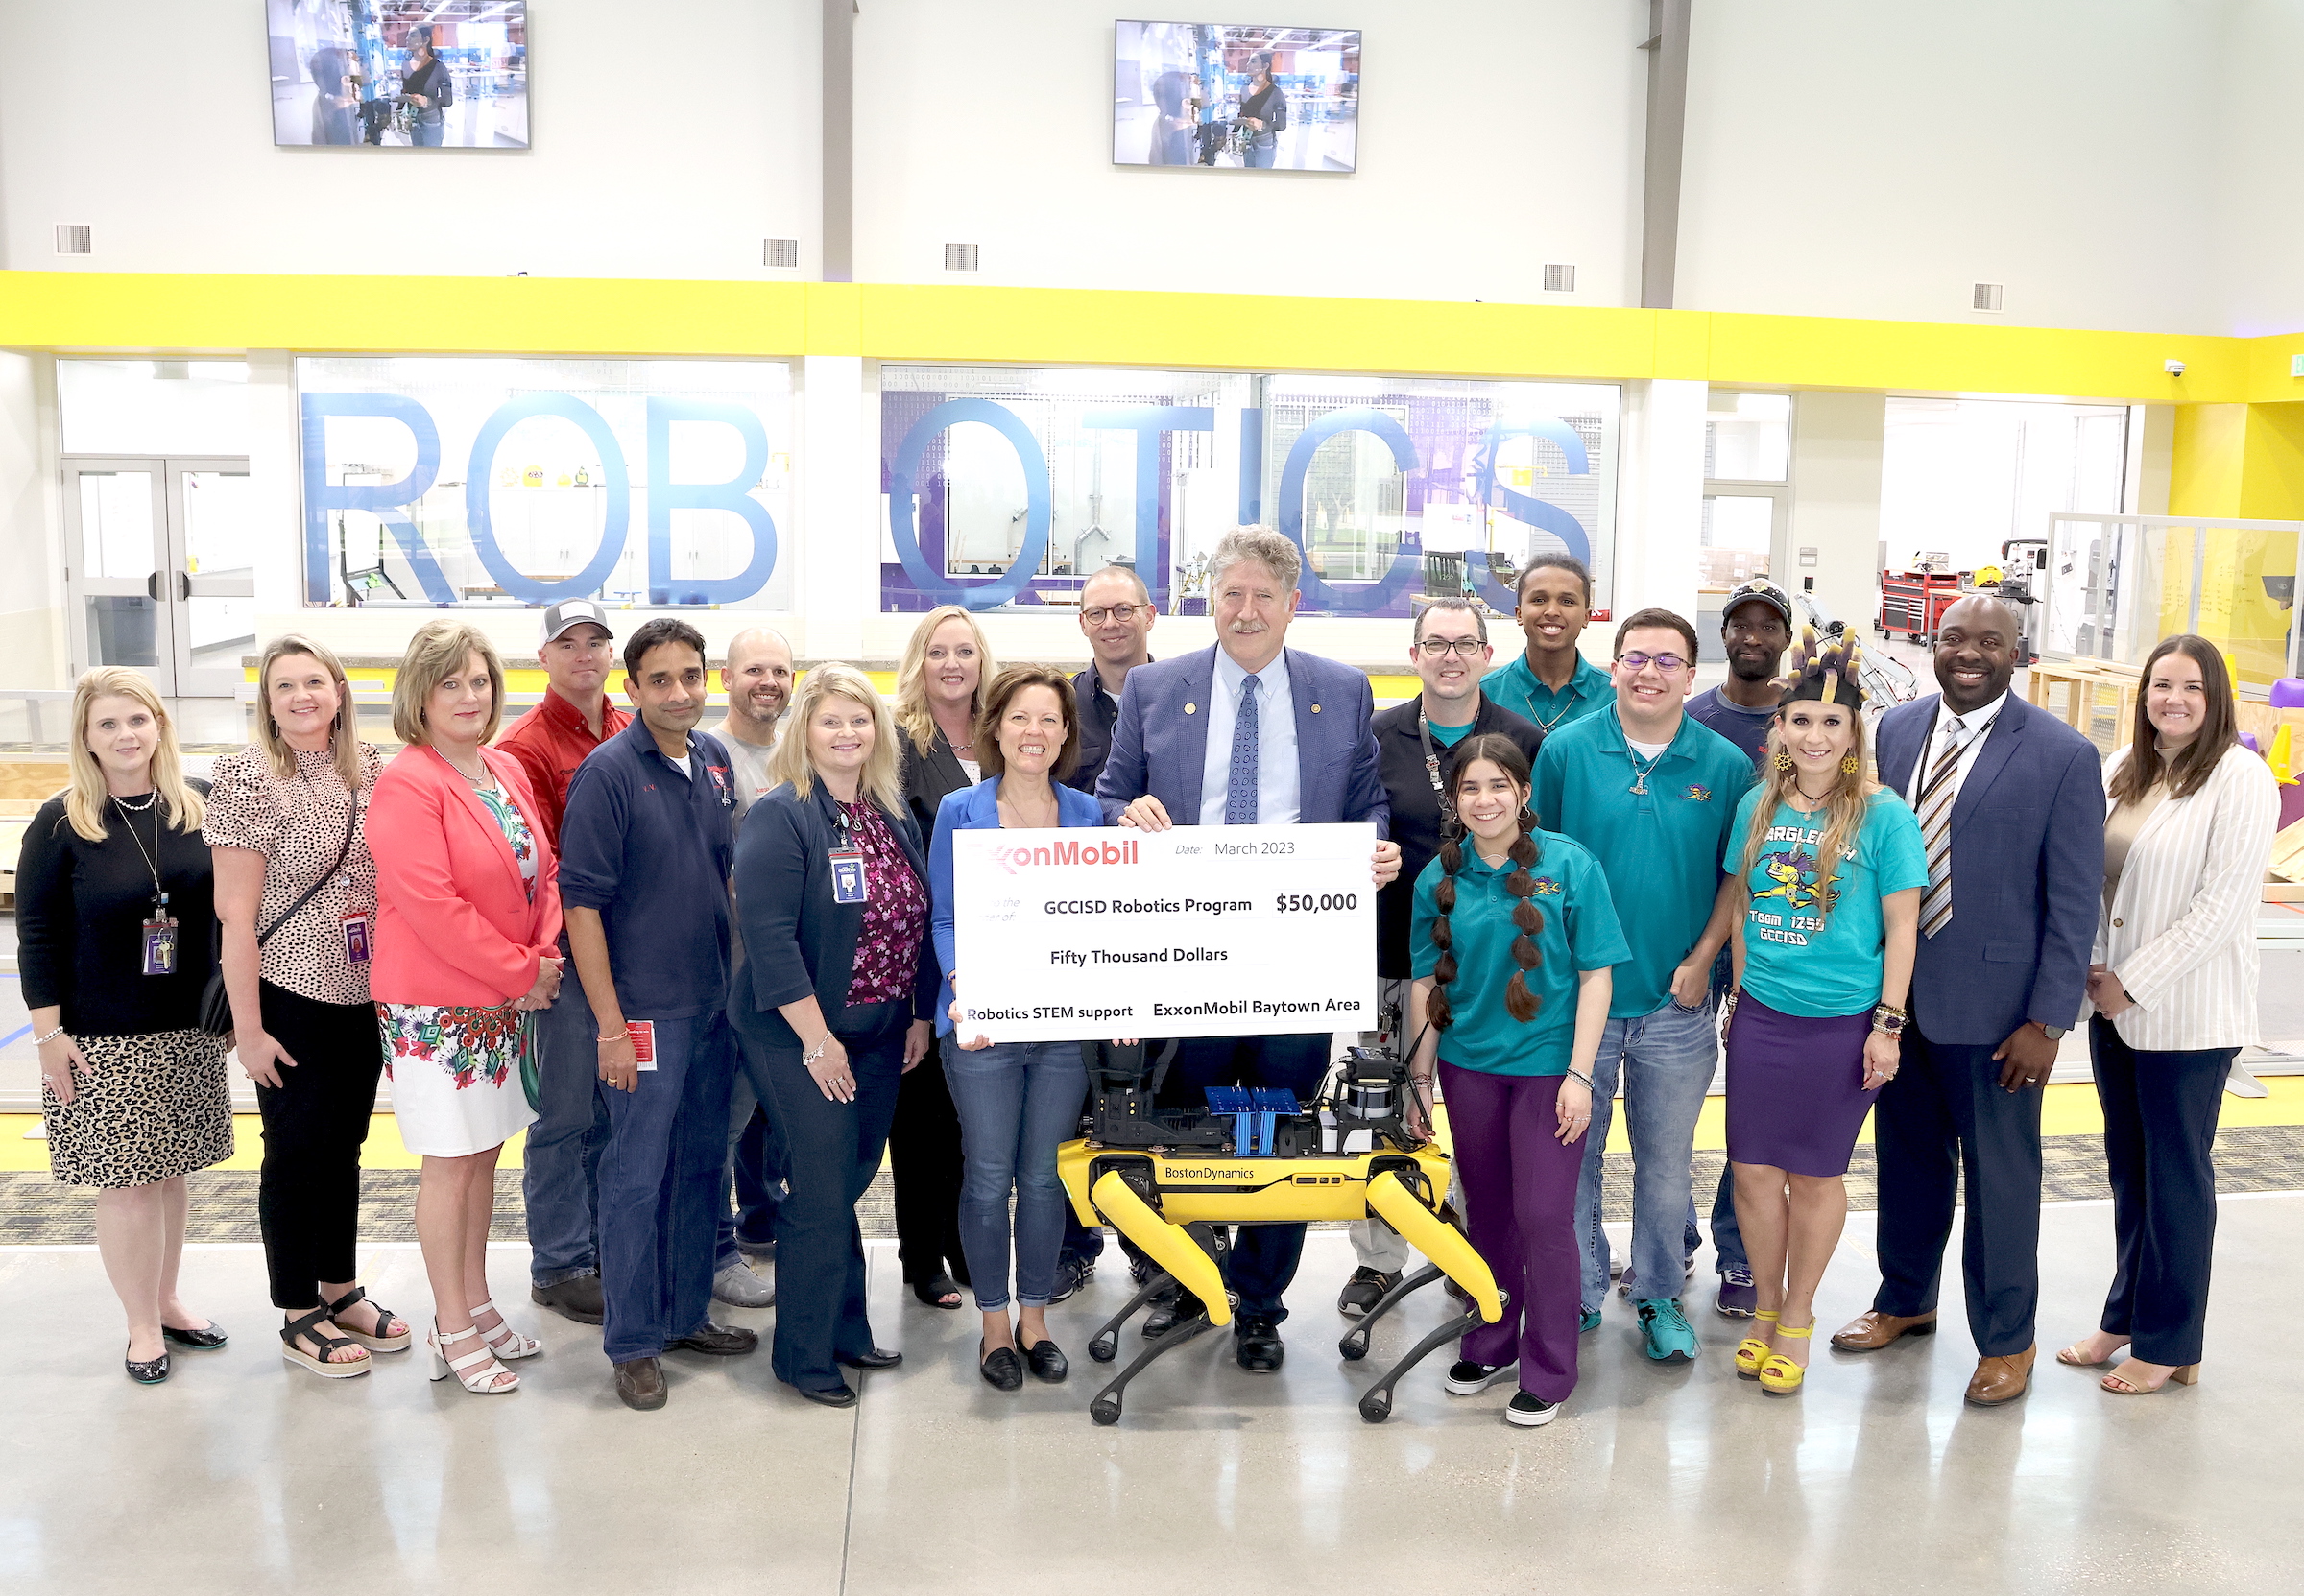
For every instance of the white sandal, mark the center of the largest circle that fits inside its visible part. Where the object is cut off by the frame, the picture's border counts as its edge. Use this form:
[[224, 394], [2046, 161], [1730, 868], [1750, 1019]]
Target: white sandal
[[505, 1342], [481, 1381]]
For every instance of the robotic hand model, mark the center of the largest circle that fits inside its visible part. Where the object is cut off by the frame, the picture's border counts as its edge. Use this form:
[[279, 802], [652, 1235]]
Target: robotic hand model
[[1169, 1180]]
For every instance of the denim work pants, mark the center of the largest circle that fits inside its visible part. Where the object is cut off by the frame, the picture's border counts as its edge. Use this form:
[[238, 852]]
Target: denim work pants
[[1018, 1103], [834, 1150], [2160, 1114], [1666, 1059], [757, 1184], [561, 1180], [660, 1174], [1263, 1258], [1945, 1116]]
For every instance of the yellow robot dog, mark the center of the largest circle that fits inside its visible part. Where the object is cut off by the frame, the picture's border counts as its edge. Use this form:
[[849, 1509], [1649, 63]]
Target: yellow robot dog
[[1170, 1180]]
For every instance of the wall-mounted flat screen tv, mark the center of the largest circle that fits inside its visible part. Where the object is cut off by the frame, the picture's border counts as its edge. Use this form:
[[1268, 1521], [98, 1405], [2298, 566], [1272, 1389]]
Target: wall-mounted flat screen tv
[[399, 74], [1214, 94]]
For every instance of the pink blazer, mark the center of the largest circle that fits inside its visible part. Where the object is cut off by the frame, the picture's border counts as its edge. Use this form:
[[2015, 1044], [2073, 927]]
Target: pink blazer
[[454, 924]]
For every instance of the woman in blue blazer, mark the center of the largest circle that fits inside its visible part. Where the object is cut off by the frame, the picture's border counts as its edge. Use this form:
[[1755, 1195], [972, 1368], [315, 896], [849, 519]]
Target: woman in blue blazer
[[1018, 1101], [833, 899]]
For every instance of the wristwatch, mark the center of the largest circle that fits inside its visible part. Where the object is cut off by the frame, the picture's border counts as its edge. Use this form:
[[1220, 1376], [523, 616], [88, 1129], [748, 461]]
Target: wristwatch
[[2054, 1033]]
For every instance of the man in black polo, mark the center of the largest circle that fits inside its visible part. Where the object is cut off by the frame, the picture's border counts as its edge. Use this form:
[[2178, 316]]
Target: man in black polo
[[1116, 613], [1416, 744], [646, 846]]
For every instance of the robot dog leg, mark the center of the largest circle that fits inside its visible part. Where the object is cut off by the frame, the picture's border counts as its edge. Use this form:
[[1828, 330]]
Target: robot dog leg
[[1451, 1256], [1187, 1257]]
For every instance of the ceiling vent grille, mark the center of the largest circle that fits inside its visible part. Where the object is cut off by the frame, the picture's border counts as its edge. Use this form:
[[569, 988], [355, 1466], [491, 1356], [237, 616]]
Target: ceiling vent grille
[[959, 257], [73, 239], [1985, 297], [781, 252], [1559, 279]]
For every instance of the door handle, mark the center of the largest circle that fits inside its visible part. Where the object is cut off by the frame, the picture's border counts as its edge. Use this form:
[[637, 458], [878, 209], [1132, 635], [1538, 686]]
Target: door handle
[[183, 585], [151, 587]]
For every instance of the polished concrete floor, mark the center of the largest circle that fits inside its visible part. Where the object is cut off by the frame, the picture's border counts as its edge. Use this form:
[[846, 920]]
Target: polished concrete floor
[[239, 1475]]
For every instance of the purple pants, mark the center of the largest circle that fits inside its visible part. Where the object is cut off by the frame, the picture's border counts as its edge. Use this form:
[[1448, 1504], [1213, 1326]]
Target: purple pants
[[1520, 1187]]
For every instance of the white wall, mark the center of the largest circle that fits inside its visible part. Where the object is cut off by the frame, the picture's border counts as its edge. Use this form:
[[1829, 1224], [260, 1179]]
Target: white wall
[[1496, 136], [1837, 446], [1877, 160], [2259, 228], [32, 634], [665, 147]]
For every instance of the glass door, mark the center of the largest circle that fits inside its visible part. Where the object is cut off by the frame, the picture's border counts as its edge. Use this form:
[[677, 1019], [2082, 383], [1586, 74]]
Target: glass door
[[160, 577]]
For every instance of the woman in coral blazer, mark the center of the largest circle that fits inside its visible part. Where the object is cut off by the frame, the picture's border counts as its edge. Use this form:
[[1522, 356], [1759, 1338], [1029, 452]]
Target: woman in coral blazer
[[467, 919]]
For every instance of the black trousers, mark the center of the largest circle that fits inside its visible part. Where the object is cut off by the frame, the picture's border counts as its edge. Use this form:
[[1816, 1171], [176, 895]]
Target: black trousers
[[315, 1121], [924, 1153], [2160, 1114], [1944, 1116]]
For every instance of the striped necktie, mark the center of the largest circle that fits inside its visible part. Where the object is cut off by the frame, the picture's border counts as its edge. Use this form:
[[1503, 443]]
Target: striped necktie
[[1936, 825], [1240, 786]]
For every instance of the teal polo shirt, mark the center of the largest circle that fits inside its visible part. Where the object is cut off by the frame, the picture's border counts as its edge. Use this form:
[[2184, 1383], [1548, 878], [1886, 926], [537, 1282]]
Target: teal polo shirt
[[1661, 852], [1579, 933], [1517, 688]]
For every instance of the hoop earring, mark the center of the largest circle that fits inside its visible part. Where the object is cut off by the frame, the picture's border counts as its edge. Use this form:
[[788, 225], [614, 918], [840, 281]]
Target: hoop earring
[[1849, 765], [1783, 760]]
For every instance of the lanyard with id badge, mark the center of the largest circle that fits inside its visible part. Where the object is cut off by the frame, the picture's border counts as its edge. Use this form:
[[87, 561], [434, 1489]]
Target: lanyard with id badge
[[848, 882], [159, 932]]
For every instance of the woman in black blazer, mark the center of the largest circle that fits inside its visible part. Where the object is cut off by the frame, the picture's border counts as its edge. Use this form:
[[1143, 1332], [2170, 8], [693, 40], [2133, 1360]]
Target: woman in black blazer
[[841, 984], [938, 694]]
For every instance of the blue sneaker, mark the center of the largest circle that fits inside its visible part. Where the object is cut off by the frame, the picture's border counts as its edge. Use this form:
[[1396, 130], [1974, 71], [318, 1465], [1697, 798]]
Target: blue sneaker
[[1590, 1321], [1666, 1332]]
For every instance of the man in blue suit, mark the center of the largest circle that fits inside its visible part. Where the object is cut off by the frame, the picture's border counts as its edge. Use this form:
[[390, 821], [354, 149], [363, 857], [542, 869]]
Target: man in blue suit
[[1250, 732], [2011, 807]]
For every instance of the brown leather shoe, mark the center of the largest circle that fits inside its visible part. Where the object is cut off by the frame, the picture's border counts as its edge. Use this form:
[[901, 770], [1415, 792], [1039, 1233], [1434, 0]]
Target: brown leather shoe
[[2001, 1380], [641, 1384], [1870, 1332]]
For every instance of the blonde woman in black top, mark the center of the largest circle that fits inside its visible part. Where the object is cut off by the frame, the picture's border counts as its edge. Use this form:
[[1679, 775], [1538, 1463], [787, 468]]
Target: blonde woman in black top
[[115, 911]]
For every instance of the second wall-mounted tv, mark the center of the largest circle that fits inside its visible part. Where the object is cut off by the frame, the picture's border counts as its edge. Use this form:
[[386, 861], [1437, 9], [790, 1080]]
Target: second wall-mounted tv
[[1216, 94]]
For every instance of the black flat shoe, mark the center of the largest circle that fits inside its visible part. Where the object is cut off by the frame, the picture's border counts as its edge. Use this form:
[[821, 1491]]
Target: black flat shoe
[[206, 1339], [934, 1292], [879, 1357], [1047, 1362], [1002, 1370], [832, 1396], [153, 1372]]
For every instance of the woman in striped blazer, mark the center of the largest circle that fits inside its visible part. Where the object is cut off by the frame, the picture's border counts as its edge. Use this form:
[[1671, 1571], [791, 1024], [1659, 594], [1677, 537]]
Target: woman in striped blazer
[[2192, 814]]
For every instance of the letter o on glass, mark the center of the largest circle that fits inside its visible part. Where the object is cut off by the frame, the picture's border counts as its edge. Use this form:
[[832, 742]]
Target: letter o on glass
[[903, 473], [477, 476]]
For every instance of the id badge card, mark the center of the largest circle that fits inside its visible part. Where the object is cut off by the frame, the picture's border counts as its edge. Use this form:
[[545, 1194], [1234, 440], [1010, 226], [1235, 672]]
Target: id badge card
[[642, 1032], [848, 876], [159, 946], [355, 938]]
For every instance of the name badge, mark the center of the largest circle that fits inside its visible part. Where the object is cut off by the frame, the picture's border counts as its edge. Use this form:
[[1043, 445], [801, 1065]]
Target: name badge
[[355, 938], [159, 946], [848, 876], [642, 1032]]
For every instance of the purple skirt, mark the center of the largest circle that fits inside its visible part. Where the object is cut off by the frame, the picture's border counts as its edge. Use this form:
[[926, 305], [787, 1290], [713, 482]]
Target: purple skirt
[[1796, 1095]]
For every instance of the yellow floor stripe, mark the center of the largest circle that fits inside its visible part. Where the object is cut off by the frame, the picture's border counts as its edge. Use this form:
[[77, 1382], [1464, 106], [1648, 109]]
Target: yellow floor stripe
[[2070, 1110]]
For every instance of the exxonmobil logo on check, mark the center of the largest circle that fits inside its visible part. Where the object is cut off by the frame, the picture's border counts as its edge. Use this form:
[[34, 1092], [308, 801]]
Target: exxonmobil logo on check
[[1014, 857]]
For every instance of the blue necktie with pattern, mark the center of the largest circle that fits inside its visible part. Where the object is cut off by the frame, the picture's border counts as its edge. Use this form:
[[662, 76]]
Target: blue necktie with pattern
[[1239, 791]]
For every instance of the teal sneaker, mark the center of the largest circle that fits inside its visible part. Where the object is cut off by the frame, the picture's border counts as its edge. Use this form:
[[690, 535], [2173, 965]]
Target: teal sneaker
[[1591, 1322], [1665, 1331]]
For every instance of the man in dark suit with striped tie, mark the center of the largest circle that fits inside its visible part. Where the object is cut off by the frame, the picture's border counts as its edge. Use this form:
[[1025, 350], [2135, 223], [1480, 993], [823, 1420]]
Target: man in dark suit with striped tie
[[2011, 806]]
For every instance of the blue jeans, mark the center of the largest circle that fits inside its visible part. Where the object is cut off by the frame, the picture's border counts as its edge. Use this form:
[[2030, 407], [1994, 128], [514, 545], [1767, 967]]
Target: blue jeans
[[428, 131], [1727, 1241], [561, 1177], [834, 1150], [1018, 1103], [660, 1174], [1666, 1061], [1262, 150], [758, 1185]]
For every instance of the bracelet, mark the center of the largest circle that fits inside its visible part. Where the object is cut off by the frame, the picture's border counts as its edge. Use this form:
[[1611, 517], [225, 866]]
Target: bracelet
[[619, 1036], [1889, 1020], [1585, 1081], [808, 1060], [43, 1041]]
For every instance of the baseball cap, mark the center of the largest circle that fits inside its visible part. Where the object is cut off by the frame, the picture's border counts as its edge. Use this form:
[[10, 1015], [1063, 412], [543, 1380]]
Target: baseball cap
[[568, 612], [1762, 590]]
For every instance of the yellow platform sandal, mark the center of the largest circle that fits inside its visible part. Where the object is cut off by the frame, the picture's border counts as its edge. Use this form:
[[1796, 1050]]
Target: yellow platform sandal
[[1751, 1352], [1780, 1376]]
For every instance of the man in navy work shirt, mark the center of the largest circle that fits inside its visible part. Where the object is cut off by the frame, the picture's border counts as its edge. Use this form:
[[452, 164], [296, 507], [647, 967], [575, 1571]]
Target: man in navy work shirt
[[646, 848]]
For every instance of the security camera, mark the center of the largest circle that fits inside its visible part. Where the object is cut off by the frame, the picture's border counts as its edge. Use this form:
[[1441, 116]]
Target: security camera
[[2173, 368]]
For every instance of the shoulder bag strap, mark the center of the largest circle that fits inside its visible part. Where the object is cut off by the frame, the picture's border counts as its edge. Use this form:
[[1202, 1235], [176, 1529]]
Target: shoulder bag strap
[[351, 828]]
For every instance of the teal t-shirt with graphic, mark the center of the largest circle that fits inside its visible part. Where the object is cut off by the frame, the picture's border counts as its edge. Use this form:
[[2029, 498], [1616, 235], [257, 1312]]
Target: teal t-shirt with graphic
[[1797, 958], [1580, 933]]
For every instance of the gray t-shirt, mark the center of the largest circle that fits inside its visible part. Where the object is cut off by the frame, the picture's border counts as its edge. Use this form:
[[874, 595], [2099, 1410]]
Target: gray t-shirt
[[749, 766]]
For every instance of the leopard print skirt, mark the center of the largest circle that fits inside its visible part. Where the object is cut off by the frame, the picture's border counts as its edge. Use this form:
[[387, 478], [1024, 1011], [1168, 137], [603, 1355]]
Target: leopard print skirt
[[155, 1106]]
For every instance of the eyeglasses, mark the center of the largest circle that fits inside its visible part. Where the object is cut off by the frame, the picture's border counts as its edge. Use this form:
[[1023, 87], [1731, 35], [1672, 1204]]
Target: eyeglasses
[[1440, 648], [1120, 612], [1637, 663]]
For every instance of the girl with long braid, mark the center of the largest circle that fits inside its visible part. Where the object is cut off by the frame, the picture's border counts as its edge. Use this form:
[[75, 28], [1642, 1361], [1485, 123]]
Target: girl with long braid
[[1832, 866], [1511, 942]]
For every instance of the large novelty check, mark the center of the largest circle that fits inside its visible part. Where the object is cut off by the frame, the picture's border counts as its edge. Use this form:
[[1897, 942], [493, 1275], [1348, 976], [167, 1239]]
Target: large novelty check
[[1201, 931]]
